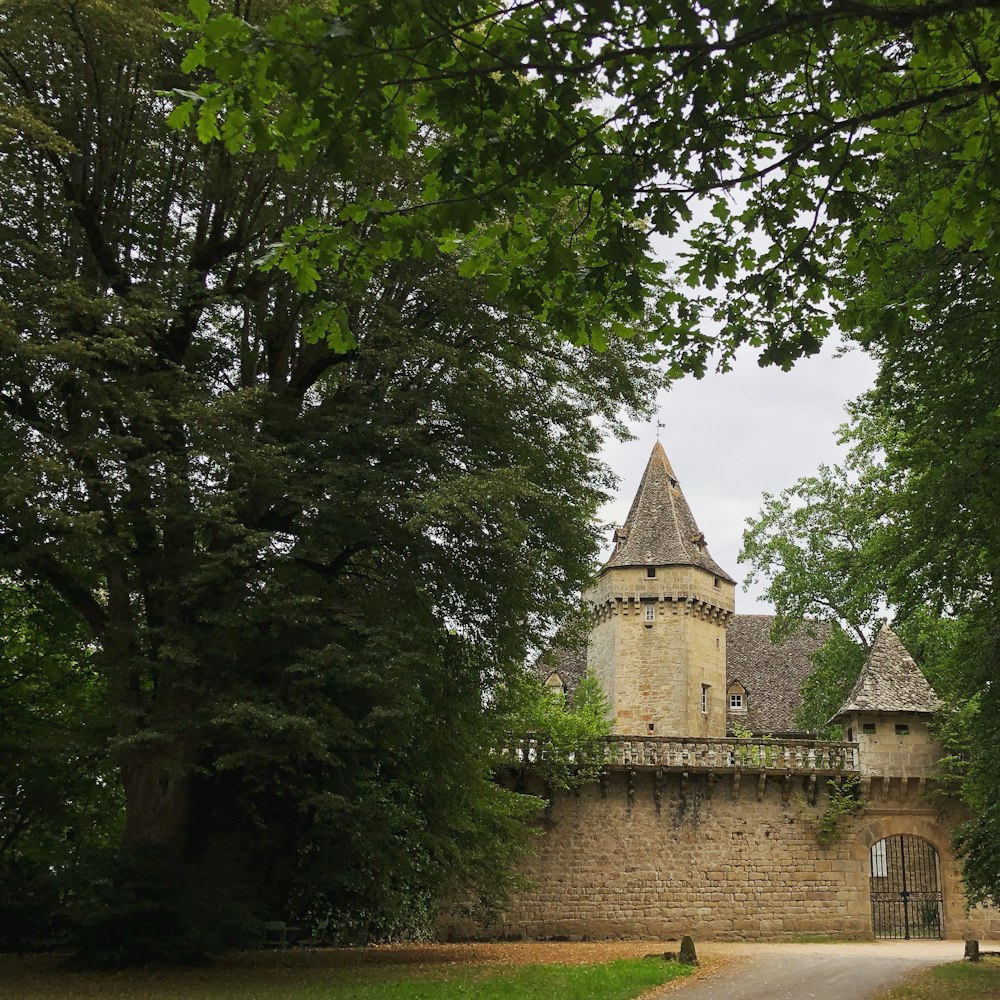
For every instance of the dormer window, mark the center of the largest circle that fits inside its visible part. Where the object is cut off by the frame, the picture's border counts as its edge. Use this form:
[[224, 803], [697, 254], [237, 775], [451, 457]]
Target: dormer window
[[621, 534], [555, 684], [736, 698]]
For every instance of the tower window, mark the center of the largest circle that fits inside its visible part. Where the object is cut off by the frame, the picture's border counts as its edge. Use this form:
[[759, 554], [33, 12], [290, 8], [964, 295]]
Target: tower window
[[651, 612], [715, 582], [704, 697], [650, 572]]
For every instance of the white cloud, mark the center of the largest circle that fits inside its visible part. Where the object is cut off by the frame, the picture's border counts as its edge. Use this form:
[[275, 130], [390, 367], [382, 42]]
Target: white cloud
[[733, 437]]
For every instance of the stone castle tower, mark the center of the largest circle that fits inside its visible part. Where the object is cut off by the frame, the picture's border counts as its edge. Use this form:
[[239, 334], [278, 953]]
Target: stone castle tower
[[662, 602]]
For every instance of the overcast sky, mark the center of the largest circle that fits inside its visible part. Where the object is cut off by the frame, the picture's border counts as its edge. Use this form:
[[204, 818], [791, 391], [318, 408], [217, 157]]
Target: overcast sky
[[730, 438]]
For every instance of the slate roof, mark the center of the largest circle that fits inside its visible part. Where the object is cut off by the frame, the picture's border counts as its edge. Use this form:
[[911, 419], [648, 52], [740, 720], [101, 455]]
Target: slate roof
[[890, 681], [772, 673], [567, 660], [660, 529]]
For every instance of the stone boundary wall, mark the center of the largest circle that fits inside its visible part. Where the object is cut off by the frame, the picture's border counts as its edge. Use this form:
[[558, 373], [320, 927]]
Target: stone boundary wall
[[682, 855]]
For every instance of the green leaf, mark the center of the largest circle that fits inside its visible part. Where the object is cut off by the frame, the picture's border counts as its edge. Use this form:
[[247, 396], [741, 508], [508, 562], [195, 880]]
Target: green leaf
[[180, 117], [207, 128]]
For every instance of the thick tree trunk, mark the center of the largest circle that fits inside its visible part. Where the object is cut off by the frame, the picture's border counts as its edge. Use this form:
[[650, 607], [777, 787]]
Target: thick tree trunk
[[156, 780]]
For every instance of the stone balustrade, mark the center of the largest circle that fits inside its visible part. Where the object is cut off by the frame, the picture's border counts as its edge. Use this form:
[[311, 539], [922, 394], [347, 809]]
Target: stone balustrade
[[820, 757]]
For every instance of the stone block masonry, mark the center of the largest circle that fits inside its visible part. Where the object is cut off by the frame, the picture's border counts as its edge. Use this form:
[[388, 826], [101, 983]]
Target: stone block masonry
[[686, 855]]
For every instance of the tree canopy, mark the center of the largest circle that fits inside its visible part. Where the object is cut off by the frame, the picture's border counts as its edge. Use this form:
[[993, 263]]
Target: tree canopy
[[787, 119], [918, 495], [299, 571]]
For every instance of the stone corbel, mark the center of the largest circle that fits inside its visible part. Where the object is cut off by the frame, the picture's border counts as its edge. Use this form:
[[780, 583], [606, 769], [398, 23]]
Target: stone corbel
[[786, 787]]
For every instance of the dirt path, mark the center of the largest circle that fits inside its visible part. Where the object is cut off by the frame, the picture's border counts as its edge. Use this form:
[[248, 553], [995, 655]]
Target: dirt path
[[811, 972]]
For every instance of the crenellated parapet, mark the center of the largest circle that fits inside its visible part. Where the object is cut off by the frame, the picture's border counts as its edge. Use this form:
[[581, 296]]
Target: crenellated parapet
[[629, 589], [673, 604]]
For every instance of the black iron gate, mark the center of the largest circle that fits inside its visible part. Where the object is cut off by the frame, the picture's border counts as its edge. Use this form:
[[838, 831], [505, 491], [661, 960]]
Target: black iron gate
[[906, 888]]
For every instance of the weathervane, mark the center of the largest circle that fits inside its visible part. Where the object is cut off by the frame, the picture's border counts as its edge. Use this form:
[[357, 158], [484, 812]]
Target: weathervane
[[659, 427]]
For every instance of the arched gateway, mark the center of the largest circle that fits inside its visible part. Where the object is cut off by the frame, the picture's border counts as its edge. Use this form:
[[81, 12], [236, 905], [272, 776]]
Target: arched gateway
[[905, 888]]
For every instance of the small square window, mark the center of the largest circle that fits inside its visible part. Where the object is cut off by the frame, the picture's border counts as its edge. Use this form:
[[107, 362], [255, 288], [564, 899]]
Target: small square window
[[715, 582], [650, 571], [902, 729], [868, 728], [651, 612], [736, 701], [651, 726]]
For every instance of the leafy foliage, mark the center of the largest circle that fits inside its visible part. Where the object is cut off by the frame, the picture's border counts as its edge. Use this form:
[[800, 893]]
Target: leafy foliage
[[567, 730], [928, 435], [838, 664], [301, 547], [818, 546], [842, 804], [787, 117], [59, 803]]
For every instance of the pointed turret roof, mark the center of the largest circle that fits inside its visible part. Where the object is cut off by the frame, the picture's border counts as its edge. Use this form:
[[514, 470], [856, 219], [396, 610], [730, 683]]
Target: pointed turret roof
[[660, 529], [890, 681]]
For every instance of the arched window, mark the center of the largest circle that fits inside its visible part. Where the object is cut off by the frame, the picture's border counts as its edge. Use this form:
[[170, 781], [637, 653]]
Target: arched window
[[905, 888]]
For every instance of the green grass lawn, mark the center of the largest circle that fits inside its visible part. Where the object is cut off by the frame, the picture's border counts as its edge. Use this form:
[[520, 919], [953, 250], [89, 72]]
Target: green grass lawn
[[288, 977], [957, 981]]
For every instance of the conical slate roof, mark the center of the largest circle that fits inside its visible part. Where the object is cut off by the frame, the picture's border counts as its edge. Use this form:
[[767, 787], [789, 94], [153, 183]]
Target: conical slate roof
[[890, 681], [660, 529]]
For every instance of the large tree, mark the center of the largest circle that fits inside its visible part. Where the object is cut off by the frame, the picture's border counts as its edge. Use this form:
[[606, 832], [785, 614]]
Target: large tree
[[922, 506], [59, 801], [300, 570]]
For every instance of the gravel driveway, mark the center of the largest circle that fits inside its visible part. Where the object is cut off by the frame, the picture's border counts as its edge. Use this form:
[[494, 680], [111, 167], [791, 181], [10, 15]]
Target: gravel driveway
[[811, 972]]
